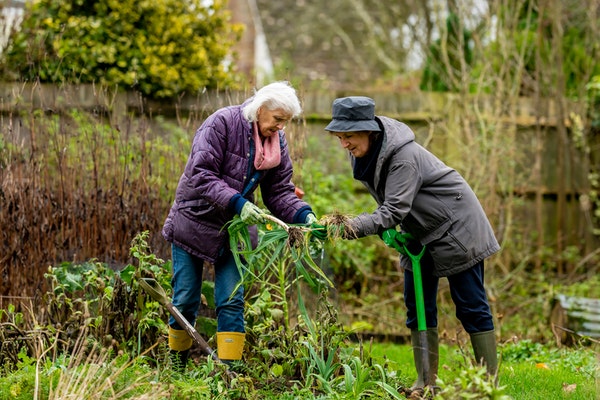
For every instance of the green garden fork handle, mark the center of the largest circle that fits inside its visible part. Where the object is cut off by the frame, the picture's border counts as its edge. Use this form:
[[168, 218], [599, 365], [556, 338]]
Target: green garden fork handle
[[421, 349], [415, 260], [403, 240]]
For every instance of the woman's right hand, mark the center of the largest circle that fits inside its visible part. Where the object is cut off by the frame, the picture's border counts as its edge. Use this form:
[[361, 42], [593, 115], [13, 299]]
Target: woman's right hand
[[251, 214]]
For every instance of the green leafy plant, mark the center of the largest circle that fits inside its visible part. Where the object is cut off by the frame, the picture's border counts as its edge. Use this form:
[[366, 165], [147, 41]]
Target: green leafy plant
[[472, 383], [117, 312], [280, 247], [161, 48], [358, 381], [316, 347]]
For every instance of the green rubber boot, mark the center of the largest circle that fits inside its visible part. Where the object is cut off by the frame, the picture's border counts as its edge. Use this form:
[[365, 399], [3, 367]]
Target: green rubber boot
[[484, 348], [433, 356]]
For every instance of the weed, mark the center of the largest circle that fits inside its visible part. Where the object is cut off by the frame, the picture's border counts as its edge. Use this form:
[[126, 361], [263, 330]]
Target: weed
[[472, 382]]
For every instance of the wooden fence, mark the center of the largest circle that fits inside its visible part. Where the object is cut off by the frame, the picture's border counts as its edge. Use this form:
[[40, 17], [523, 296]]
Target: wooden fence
[[553, 202]]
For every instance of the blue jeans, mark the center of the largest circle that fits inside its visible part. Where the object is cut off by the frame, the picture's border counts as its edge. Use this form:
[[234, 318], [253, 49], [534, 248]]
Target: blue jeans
[[187, 286], [466, 289]]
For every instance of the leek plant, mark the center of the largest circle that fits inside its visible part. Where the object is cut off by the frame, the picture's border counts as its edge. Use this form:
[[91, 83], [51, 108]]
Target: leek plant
[[281, 260], [315, 352]]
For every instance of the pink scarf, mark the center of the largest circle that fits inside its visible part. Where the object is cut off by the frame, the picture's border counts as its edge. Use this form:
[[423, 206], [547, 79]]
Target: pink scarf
[[268, 153]]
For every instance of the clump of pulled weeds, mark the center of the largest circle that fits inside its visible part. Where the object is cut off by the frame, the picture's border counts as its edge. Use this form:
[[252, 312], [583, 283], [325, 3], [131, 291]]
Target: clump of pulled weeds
[[295, 237], [338, 226]]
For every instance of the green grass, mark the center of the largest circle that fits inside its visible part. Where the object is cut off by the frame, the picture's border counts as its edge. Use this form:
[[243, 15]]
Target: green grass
[[401, 356], [525, 381], [528, 371]]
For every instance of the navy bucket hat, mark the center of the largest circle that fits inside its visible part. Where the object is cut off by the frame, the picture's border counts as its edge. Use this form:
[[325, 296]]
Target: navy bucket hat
[[353, 114]]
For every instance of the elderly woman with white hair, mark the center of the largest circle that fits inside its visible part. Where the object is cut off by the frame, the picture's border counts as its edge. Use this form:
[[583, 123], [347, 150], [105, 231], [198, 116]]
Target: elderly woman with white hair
[[237, 149]]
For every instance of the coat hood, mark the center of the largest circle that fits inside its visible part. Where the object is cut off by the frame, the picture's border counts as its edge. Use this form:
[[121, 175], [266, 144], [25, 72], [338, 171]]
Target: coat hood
[[397, 134]]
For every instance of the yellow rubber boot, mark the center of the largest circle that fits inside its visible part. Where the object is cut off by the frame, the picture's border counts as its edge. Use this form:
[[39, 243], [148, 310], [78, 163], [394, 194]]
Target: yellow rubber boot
[[179, 344], [230, 345]]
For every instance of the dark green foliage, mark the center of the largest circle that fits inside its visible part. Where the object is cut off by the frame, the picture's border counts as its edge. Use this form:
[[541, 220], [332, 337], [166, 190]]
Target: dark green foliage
[[161, 48]]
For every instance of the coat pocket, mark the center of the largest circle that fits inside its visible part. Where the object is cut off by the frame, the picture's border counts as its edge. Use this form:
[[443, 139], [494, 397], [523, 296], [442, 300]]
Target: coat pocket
[[195, 209], [452, 251]]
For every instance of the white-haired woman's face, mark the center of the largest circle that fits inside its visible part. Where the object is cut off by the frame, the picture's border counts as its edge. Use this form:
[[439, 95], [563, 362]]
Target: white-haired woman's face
[[271, 121]]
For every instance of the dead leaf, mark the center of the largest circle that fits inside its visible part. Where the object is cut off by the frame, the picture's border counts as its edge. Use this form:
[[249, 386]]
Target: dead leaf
[[568, 388]]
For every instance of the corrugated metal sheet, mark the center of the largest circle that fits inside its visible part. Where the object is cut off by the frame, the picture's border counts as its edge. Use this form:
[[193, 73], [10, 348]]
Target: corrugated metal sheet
[[575, 315]]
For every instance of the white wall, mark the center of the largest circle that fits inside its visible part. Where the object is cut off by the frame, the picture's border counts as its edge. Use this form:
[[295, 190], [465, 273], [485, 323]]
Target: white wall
[[11, 14]]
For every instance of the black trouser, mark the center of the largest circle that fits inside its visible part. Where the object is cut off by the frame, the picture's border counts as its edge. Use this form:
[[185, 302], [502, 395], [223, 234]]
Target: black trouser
[[467, 291]]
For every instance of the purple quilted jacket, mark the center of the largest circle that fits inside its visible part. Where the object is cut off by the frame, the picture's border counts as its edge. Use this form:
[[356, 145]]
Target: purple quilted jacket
[[219, 167]]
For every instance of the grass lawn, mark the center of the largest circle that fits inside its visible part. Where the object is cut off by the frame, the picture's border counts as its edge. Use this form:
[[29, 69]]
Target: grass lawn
[[528, 371]]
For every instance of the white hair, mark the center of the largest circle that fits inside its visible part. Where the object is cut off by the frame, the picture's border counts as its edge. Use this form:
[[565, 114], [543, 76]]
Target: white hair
[[273, 96]]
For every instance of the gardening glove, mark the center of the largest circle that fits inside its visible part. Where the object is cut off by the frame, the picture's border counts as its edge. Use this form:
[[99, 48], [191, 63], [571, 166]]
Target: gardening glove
[[396, 240], [310, 219], [251, 214], [318, 231]]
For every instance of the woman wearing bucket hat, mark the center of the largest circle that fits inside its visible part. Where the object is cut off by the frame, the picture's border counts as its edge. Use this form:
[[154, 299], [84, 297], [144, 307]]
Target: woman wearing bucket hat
[[235, 151], [435, 205]]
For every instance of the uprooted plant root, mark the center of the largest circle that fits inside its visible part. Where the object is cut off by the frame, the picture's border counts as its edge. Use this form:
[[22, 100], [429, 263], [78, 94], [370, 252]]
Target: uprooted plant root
[[295, 237], [338, 226]]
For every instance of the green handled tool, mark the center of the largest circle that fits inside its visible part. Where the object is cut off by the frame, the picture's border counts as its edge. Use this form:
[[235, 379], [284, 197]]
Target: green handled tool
[[399, 241], [415, 260]]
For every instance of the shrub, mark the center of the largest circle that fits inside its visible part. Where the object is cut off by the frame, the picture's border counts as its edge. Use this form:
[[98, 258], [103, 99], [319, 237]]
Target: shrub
[[161, 48]]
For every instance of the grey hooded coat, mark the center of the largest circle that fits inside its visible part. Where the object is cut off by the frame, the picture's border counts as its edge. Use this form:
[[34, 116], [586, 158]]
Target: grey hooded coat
[[428, 199]]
